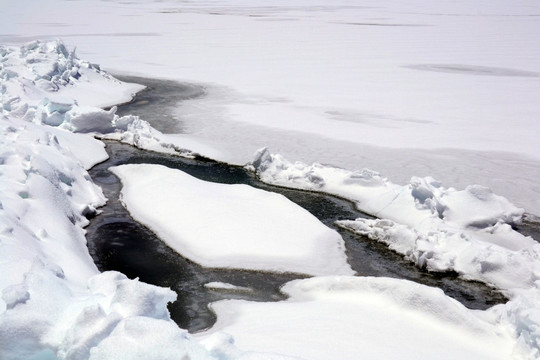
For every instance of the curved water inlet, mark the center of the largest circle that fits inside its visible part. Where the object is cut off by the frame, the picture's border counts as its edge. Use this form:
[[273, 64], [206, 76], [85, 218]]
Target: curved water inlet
[[117, 242]]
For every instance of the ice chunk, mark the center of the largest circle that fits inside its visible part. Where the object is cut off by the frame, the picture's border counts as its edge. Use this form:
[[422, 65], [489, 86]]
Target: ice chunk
[[362, 317], [235, 226], [503, 265]]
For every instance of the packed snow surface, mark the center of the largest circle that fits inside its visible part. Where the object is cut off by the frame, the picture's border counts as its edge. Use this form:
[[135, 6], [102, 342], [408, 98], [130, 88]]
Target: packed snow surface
[[384, 319], [54, 304], [410, 88], [233, 226], [442, 229]]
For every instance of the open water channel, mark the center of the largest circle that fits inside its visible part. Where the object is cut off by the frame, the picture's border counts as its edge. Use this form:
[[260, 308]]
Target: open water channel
[[117, 242]]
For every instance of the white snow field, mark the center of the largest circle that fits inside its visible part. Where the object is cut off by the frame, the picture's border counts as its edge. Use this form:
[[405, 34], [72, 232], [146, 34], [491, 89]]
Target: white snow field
[[384, 319], [54, 304], [230, 226], [446, 89], [441, 229]]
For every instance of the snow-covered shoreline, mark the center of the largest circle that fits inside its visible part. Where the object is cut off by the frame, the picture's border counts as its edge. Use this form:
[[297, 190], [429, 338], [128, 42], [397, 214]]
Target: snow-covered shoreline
[[55, 303], [435, 221], [94, 315], [404, 88]]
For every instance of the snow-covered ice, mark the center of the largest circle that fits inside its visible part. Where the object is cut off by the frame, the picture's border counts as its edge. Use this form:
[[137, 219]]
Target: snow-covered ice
[[363, 318], [232, 226], [442, 229], [444, 89], [54, 304]]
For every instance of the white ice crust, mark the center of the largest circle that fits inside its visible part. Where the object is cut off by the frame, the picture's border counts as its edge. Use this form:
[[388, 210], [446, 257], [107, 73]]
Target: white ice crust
[[384, 318], [230, 226], [55, 304], [440, 229]]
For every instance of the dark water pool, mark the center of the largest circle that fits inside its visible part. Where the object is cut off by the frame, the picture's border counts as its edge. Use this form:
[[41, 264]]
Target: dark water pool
[[117, 242]]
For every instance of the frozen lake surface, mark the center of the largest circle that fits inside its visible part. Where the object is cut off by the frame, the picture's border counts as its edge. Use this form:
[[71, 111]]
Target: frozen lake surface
[[447, 89], [116, 242]]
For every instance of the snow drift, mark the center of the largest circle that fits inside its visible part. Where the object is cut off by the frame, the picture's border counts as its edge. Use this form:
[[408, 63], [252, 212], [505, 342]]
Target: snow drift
[[363, 318], [232, 226], [55, 304]]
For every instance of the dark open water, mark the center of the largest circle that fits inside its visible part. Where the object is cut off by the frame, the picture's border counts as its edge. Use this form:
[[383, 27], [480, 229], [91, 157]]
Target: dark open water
[[117, 242]]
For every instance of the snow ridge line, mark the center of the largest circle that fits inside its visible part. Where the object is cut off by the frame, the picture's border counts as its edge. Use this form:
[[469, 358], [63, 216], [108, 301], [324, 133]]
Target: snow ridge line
[[93, 315], [439, 229], [54, 303]]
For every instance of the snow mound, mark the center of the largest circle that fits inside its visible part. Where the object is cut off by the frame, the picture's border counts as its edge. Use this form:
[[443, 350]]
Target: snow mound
[[440, 229], [423, 199], [40, 70], [366, 318], [44, 83], [54, 304], [458, 251], [236, 226], [134, 131]]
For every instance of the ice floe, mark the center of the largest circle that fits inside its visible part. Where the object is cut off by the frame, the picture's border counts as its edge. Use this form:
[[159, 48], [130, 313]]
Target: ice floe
[[233, 226], [363, 318], [56, 305]]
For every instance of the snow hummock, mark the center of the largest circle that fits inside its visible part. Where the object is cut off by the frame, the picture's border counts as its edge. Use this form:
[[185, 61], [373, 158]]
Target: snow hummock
[[442, 229], [230, 226], [363, 318], [54, 303], [48, 73]]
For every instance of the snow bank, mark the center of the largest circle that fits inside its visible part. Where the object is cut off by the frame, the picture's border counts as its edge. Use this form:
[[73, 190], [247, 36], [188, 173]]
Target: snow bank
[[54, 304], [48, 71], [233, 226], [443, 229], [423, 198], [364, 318], [45, 195]]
